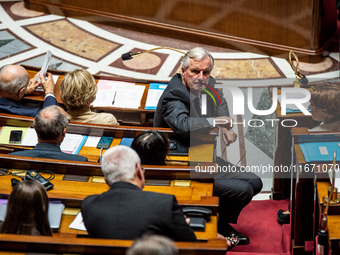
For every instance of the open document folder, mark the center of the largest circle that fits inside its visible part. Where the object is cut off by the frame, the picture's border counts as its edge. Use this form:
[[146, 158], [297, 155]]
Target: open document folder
[[118, 94]]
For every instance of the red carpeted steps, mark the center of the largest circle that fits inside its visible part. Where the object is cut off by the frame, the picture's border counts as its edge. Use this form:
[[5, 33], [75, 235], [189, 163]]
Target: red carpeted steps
[[258, 221]]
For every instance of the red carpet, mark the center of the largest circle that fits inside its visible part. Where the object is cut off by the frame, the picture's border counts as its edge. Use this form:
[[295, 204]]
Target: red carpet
[[258, 222]]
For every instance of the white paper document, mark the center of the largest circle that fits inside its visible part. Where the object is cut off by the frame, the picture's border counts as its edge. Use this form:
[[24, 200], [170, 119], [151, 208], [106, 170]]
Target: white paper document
[[45, 64], [55, 79], [92, 141], [70, 142], [155, 92], [78, 223], [118, 94]]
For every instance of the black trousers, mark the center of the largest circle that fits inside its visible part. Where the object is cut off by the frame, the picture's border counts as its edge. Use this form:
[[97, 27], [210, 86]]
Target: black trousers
[[235, 190]]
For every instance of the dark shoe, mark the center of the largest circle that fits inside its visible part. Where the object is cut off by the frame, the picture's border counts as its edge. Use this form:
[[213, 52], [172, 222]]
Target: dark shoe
[[242, 239], [283, 218], [233, 242]]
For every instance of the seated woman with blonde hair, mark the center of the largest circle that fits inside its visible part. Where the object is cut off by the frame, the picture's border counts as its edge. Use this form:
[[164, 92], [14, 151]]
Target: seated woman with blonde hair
[[78, 90], [27, 210]]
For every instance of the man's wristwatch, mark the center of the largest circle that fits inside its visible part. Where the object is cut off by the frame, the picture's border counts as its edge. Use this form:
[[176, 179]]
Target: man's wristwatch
[[49, 93]]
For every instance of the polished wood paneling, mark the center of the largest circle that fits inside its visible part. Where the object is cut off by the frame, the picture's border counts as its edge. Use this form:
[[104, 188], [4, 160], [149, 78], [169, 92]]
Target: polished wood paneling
[[261, 26]]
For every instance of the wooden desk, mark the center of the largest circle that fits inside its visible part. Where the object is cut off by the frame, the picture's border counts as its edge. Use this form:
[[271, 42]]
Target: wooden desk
[[333, 218], [210, 231], [304, 216], [207, 141], [72, 193], [94, 169], [125, 116]]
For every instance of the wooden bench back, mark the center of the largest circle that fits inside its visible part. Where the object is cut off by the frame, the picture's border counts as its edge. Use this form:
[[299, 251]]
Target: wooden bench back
[[94, 169], [72, 245]]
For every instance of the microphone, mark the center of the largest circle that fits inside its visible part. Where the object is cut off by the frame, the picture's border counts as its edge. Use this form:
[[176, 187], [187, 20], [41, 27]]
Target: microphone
[[129, 55], [300, 79]]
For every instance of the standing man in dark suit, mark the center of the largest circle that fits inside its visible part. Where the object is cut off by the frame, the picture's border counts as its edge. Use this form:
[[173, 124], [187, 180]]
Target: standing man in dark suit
[[126, 211], [182, 108], [50, 126], [15, 84]]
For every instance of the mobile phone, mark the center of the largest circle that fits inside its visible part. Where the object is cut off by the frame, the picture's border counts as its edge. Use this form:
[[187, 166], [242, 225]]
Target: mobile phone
[[15, 136], [104, 142], [173, 145]]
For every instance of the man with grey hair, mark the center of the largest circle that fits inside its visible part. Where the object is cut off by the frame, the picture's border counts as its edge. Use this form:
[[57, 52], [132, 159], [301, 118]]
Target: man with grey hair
[[127, 212], [180, 104], [50, 126], [15, 84], [153, 245], [181, 108]]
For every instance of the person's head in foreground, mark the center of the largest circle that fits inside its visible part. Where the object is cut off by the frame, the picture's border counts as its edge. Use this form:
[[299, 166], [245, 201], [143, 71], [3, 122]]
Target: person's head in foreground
[[152, 147], [121, 163], [153, 245], [27, 210]]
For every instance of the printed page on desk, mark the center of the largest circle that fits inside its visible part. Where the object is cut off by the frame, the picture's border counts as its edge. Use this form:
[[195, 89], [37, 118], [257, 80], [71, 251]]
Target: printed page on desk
[[320, 151], [78, 223], [118, 94], [154, 93]]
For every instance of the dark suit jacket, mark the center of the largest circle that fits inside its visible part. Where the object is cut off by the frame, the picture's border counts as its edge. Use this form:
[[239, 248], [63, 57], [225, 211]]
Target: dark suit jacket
[[15, 107], [175, 110], [48, 150], [126, 212]]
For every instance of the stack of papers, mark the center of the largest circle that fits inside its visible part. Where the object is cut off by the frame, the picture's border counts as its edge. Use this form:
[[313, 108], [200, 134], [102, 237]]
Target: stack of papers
[[155, 92], [118, 94]]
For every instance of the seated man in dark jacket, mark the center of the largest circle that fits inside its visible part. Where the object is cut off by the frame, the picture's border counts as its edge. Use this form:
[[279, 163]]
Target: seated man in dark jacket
[[191, 104], [15, 83], [50, 126], [125, 211]]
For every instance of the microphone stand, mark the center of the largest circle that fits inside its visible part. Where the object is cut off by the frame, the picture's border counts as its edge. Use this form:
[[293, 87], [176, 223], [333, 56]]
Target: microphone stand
[[129, 55], [300, 79]]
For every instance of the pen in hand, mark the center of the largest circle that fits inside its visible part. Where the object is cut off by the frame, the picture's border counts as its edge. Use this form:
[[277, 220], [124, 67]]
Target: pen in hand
[[114, 98]]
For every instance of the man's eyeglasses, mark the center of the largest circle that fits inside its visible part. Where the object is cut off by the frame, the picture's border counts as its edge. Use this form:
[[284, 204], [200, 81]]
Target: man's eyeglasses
[[141, 167]]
